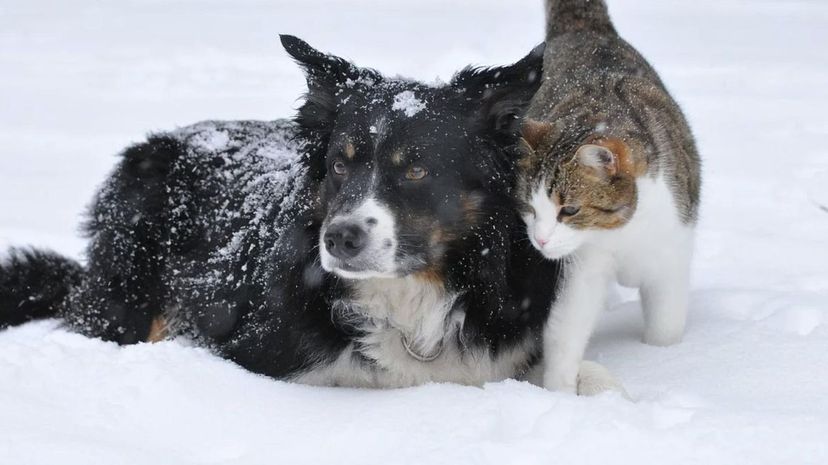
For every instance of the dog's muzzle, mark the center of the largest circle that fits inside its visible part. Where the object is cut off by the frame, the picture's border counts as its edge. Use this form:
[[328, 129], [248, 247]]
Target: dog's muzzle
[[361, 243]]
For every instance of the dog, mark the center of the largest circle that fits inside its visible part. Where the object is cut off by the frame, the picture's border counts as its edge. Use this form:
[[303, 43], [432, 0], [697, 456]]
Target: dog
[[370, 242]]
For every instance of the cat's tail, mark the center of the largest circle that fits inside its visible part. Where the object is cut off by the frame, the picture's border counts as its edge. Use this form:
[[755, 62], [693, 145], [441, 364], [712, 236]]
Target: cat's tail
[[35, 284], [564, 16]]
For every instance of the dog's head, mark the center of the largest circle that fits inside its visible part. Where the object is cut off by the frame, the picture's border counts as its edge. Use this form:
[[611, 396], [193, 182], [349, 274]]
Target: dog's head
[[405, 168]]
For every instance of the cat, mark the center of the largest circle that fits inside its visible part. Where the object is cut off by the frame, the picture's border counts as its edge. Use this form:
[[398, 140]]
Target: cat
[[609, 182]]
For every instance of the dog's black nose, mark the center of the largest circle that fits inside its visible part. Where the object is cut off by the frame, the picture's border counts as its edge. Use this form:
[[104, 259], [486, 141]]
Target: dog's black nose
[[345, 240]]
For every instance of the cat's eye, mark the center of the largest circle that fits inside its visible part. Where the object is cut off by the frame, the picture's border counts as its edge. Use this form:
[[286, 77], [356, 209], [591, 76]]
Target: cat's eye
[[340, 168], [415, 173], [570, 210]]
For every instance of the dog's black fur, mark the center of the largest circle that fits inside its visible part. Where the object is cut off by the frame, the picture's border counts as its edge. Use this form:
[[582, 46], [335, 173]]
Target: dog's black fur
[[215, 227]]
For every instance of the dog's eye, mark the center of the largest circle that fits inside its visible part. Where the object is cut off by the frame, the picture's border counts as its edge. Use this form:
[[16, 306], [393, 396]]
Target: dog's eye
[[570, 210], [415, 173], [340, 168]]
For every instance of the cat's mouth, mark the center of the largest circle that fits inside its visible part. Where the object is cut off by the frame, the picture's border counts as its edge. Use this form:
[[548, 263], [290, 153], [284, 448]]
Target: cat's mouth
[[554, 251], [553, 246]]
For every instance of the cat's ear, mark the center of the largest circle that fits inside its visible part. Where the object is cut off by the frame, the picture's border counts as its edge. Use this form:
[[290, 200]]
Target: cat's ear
[[502, 94], [597, 157], [534, 132], [608, 157]]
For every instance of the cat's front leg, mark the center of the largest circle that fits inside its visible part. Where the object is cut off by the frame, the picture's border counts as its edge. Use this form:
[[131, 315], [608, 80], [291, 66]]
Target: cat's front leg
[[664, 298], [573, 316]]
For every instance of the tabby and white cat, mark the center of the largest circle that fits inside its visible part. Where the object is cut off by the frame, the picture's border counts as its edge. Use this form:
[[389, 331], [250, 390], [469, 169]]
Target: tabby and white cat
[[609, 182]]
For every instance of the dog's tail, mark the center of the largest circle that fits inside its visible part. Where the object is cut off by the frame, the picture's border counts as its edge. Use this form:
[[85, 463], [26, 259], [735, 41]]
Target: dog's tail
[[563, 16], [35, 284]]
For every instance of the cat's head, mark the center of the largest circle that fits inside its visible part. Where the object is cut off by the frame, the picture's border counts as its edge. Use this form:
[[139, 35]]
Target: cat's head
[[573, 184]]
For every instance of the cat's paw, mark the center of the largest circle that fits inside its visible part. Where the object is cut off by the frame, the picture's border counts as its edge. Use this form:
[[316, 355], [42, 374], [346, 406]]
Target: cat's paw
[[662, 338], [561, 382], [594, 379]]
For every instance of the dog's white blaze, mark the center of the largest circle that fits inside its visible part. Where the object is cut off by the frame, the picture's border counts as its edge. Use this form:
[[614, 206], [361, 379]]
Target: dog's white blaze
[[379, 130], [380, 252]]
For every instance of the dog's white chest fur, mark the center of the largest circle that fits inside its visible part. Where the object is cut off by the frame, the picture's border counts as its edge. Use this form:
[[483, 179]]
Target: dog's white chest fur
[[407, 322]]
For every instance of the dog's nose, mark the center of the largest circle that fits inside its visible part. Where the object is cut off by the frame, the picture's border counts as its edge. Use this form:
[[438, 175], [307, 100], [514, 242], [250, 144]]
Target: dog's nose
[[345, 240]]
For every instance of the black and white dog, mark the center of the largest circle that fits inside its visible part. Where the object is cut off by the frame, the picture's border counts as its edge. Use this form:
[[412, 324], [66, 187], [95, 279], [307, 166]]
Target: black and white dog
[[372, 242]]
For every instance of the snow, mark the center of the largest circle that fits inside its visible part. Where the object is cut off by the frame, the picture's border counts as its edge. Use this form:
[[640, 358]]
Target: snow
[[83, 79], [408, 103]]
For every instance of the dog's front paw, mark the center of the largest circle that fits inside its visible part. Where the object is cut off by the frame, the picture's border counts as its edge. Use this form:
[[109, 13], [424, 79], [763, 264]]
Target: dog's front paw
[[594, 378]]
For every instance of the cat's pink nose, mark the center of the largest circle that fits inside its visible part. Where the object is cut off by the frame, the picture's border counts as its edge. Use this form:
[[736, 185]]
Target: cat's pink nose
[[540, 241]]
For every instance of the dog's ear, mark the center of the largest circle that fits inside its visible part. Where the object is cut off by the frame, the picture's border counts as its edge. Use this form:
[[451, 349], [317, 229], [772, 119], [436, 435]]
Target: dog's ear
[[327, 76], [503, 94], [323, 72]]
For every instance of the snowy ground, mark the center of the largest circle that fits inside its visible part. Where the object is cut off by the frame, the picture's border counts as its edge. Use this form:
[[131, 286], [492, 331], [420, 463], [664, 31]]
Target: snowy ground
[[749, 384]]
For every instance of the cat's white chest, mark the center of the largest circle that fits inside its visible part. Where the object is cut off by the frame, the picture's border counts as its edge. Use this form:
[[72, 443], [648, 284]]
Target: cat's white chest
[[653, 238]]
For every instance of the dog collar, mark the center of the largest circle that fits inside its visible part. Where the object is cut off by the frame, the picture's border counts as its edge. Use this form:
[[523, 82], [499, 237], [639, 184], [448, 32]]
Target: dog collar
[[425, 358]]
